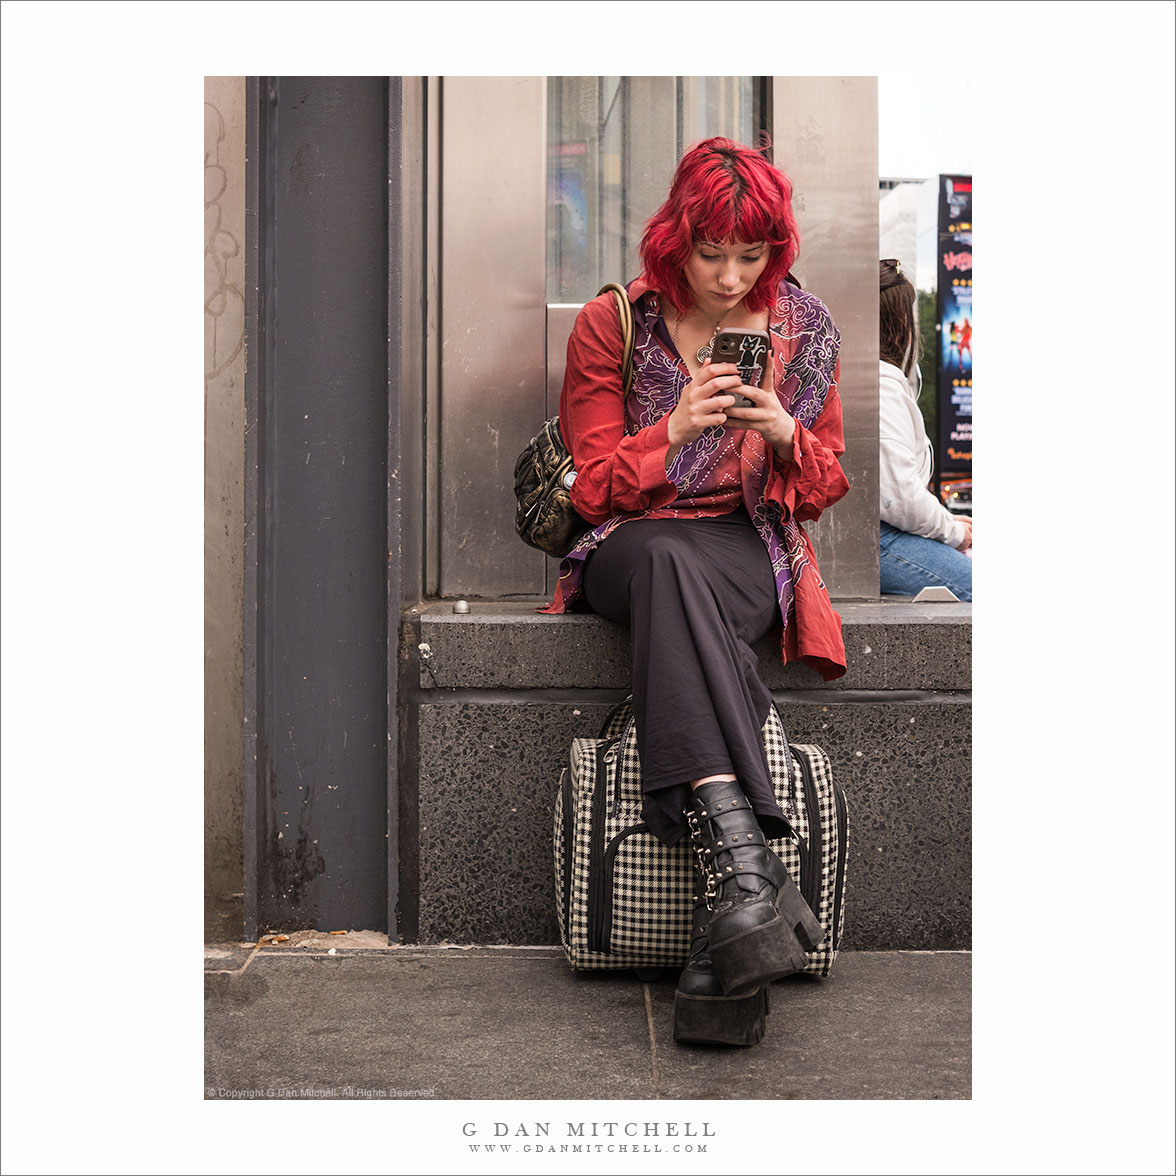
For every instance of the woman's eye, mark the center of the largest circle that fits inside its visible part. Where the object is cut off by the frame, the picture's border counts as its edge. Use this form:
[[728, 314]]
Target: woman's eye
[[709, 256], [752, 260]]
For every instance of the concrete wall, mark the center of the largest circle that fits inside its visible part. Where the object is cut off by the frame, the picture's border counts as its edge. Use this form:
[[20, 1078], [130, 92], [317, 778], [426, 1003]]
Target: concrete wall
[[502, 692], [224, 449]]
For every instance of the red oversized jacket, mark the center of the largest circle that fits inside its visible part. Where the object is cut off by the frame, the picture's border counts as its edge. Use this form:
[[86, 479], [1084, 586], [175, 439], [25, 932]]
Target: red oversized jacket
[[619, 449]]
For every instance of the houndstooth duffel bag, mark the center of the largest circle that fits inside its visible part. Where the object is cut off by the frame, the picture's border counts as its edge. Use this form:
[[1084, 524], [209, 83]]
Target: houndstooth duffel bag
[[624, 899]]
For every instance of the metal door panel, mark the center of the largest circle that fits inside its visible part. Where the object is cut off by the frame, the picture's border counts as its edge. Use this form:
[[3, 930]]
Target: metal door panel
[[825, 138], [496, 332], [492, 327]]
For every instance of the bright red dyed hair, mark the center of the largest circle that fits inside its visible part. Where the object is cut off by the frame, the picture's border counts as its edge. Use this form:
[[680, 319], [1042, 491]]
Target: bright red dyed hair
[[721, 191]]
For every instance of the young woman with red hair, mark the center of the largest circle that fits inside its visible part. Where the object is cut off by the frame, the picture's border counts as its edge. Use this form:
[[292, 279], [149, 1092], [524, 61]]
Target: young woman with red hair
[[696, 546]]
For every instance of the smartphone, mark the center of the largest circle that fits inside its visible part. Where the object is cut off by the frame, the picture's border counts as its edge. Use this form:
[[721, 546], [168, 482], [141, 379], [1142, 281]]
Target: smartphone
[[748, 350]]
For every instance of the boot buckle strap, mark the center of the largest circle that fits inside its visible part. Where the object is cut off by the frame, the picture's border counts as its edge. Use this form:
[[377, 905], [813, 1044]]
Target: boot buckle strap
[[711, 890]]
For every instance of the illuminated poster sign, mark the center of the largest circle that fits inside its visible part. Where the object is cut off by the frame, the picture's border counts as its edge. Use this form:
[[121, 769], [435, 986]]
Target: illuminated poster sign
[[955, 319]]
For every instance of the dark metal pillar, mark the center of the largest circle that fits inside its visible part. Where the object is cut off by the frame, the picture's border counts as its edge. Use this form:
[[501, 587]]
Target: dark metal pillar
[[318, 511]]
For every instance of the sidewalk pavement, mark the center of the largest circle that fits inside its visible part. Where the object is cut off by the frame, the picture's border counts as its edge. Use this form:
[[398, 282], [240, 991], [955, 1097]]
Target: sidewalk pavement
[[321, 1013]]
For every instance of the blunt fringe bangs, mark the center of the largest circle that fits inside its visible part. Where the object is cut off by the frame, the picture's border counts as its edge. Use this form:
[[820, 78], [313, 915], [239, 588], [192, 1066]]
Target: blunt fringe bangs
[[721, 191]]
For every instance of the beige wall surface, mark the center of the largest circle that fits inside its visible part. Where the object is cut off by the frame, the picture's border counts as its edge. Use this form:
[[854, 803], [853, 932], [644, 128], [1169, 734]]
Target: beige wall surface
[[825, 138], [224, 466]]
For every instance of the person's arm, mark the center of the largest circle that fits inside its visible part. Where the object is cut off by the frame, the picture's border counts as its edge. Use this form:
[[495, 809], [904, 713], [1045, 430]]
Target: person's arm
[[903, 498], [806, 477], [617, 472], [614, 471]]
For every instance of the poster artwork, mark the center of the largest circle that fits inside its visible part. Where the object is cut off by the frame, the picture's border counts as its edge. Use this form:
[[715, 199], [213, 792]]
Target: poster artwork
[[955, 321]]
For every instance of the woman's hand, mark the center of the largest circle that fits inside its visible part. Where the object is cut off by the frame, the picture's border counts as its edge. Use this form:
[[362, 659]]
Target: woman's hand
[[703, 403], [768, 416], [967, 534]]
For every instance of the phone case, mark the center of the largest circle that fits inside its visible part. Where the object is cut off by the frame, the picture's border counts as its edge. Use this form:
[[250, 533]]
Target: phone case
[[748, 349]]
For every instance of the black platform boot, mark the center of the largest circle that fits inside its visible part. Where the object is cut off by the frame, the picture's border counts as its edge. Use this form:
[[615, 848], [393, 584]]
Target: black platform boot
[[703, 1015], [760, 926]]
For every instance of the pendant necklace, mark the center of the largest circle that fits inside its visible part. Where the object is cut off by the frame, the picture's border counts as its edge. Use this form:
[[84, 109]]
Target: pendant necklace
[[707, 349]]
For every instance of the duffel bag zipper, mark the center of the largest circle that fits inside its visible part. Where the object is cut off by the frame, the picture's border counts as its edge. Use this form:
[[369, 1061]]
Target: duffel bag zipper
[[569, 832], [596, 897], [842, 850], [600, 938], [810, 875], [806, 869], [615, 809]]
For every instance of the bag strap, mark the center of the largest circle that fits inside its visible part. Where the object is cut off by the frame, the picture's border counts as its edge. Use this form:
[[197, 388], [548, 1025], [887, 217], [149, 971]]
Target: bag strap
[[625, 310]]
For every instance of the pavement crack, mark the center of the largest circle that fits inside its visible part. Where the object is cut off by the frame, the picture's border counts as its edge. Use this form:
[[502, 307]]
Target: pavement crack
[[252, 954], [652, 1042]]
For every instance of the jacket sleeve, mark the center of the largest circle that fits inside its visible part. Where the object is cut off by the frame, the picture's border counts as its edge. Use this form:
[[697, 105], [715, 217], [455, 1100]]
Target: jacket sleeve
[[813, 479], [615, 472], [903, 498]]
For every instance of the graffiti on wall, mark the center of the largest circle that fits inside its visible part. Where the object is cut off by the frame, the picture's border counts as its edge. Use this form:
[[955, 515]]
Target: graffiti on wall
[[224, 300]]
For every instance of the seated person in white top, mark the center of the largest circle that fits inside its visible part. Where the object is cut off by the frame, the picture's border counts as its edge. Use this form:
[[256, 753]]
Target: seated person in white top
[[922, 544]]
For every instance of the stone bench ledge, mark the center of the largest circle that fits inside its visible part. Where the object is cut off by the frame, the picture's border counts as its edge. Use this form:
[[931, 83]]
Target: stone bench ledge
[[506, 645]]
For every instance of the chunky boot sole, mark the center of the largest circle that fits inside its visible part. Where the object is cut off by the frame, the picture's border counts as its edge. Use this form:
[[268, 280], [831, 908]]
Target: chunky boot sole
[[771, 950], [721, 1020], [756, 956]]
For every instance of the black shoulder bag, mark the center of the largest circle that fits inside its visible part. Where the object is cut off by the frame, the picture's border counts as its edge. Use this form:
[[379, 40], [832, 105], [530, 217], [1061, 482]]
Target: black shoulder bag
[[544, 515]]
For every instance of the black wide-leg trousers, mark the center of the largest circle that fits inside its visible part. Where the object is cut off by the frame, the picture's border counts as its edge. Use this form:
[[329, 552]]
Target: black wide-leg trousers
[[696, 594]]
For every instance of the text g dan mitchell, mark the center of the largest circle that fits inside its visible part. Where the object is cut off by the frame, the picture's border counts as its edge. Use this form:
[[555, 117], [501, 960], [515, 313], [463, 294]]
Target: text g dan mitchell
[[589, 1130]]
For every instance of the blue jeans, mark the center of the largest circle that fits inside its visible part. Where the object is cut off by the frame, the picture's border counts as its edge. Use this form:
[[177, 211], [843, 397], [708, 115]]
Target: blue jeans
[[910, 562]]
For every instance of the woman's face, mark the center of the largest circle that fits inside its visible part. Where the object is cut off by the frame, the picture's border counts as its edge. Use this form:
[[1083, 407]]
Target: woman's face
[[721, 273]]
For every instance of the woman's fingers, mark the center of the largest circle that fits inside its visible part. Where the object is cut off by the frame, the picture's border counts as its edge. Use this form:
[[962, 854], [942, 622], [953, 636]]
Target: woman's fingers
[[717, 377], [757, 412], [709, 369], [765, 415], [710, 397], [721, 384], [713, 411], [705, 401]]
